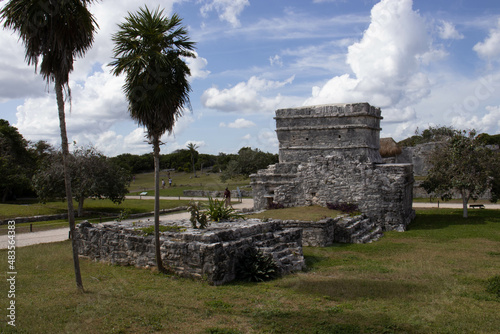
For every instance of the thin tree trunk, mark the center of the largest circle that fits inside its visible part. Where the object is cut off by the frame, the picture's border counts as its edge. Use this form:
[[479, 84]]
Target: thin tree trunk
[[156, 150], [67, 183], [465, 200], [80, 206]]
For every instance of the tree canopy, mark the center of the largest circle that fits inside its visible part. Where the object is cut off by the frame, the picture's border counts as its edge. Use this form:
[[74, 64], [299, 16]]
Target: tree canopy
[[92, 176], [462, 164]]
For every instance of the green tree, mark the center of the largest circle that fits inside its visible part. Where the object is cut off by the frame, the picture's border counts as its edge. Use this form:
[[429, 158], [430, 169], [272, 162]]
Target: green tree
[[192, 150], [248, 161], [92, 176], [16, 162], [149, 49], [462, 164], [54, 32]]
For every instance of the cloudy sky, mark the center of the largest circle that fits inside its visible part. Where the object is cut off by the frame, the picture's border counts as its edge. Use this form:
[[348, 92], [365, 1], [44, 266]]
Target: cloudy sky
[[424, 62]]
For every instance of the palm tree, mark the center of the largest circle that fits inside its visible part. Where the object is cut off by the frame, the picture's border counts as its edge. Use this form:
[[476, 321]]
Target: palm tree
[[54, 32], [192, 148], [149, 49]]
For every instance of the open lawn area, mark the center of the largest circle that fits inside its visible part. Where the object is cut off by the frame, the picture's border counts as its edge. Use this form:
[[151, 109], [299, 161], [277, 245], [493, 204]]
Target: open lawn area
[[184, 181], [430, 279], [94, 211]]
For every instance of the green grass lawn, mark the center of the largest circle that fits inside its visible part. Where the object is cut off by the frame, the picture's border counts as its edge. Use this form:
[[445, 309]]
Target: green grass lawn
[[184, 181], [430, 279], [92, 209]]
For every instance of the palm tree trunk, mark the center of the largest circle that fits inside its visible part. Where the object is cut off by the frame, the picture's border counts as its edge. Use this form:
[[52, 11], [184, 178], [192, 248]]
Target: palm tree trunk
[[156, 149], [67, 183]]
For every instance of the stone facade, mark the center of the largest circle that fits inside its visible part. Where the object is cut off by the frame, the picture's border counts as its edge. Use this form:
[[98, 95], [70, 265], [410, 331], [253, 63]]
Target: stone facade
[[209, 254], [331, 154]]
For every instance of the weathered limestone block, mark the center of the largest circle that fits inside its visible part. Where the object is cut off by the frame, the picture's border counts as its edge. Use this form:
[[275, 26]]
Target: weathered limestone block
[[210, 254]]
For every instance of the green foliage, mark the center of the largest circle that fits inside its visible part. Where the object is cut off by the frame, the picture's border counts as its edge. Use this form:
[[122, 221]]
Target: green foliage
[[217, 211], [462, 164], [255, 266], [198, 219], [124, 214], [17, 164], [487, 139], [248, 161], [430, 135], [92, 175], [150, 230], [493, 285]]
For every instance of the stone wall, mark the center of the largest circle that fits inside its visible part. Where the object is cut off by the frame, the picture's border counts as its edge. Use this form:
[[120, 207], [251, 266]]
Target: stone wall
[[210, 254], [327, 130], [331, 154], [215, 194], [343, 229]]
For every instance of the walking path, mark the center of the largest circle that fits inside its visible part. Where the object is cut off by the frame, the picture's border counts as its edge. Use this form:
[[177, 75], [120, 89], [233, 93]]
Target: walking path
[[27, 239]]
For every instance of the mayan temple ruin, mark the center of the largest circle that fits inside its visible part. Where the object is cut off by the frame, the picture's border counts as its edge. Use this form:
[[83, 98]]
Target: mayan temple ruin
[[330, 154]]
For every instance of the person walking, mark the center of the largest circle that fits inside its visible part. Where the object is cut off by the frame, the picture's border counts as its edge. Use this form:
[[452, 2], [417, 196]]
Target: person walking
[[227, 198]]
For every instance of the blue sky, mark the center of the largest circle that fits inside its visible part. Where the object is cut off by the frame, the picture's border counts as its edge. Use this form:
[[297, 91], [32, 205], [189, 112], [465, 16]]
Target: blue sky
[[422, 62]]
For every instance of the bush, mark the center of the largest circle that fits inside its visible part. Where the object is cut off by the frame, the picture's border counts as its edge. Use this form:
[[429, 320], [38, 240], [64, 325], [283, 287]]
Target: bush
[[493, 285], [255, 266], [348, 208], [218, 212], [197, 217]]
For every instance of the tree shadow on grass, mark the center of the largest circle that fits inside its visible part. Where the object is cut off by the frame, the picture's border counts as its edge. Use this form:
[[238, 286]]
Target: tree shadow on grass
[[340, 289], [444, 218]]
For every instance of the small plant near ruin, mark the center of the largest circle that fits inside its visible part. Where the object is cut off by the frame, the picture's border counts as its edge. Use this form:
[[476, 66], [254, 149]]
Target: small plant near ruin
[[198, 219], [493, 285], [124, 214], [255, 266], [216, 211], [349, 208], [147, 231]]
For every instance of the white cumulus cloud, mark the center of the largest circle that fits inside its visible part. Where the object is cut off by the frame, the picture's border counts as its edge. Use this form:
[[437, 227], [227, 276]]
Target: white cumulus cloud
[[490, 47], [228, 10], [448, 31], [385, 62], [240, 123], [245, 96]]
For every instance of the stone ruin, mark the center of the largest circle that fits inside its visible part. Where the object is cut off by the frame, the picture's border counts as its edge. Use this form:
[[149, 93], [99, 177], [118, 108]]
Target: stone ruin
[[211, 254], [330, 154]]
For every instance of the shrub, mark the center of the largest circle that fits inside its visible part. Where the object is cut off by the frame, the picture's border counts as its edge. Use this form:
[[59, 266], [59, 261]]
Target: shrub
[[218, 212], [348, 208], [493, 285], [197, 217], [255, 266]]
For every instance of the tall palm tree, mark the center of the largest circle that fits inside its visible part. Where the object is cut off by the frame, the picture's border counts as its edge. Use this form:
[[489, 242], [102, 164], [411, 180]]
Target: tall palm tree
[[54, 32], [192, 149], [149, 49]]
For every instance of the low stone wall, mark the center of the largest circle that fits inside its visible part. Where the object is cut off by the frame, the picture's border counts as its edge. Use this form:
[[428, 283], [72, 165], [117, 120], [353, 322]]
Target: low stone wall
[[32, 219], [210, 254], [215, 194], [343, 229]]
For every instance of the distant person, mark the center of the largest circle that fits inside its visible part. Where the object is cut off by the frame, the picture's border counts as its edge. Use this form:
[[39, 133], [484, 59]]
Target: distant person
[[169, 182], [227, 197], [163, 183], [240, 197]]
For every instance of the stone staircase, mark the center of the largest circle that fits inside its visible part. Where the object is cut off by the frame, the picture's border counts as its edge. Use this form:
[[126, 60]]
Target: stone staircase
[[357, 230]]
